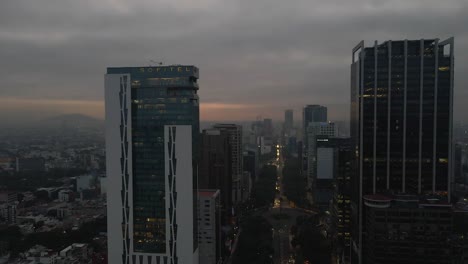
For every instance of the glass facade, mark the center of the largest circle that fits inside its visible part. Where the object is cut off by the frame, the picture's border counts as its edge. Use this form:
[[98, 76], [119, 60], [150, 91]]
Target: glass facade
[[401, 119], [405, 95], [160, 96]]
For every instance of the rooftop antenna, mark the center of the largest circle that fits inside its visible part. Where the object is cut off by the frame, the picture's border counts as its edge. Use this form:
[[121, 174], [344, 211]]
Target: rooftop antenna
[[155, 63]]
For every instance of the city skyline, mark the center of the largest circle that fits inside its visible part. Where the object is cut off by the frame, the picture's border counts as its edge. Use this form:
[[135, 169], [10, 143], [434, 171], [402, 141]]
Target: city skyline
[[298, 55], [234, 132]]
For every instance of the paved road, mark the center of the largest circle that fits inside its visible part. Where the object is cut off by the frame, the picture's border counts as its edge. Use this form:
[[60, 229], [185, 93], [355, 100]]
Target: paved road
[[234, 247], [282, 226]]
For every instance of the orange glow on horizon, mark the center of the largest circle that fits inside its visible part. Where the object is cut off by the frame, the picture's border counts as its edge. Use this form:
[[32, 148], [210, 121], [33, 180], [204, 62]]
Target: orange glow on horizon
[[229, 112], [95, 108]]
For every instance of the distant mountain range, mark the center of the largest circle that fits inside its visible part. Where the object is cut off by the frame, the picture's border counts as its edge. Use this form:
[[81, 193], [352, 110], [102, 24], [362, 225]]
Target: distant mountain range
[[84, 121]]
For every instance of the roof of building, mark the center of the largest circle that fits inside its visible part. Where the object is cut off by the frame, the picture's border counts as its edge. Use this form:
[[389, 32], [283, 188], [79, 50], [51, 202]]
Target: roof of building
[[409, 200], [378, 197], [79, 245], [208, 192], [461, 206], [224, 125]]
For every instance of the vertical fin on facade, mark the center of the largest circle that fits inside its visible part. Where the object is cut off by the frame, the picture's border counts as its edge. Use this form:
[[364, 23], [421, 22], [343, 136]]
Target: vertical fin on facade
[[124, 167], [172, 191]]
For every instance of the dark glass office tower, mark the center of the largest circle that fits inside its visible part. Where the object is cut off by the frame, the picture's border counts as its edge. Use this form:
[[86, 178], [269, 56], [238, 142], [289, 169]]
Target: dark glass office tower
[[235, 142], [341, 205], [152, 130], [401, 120], [215, 170]]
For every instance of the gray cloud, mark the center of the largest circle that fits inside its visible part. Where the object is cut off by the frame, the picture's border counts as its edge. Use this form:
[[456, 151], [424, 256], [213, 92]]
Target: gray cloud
[[278, 54]]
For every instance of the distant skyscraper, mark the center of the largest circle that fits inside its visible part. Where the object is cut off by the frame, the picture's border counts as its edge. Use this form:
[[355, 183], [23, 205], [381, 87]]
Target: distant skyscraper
[[288, 120], [316, 129], [152, 126], [325, 170], [312, 113], [250, 163], [401, 123], [235, 140], [268, 127]]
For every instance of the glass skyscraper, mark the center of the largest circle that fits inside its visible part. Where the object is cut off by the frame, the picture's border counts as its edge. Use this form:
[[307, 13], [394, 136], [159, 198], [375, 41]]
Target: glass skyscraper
[[152, 129], [401, 122], [235, 142]]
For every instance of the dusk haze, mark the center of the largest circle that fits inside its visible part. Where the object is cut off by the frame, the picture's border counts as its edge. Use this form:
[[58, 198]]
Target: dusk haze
[[234, 132]]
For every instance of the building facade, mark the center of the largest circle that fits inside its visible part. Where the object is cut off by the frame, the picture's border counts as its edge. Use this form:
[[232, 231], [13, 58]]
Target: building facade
[[312, 113], [407, 229], [401, 122], [288, 120], [316, 129], [268, 128], [235, 140], [152, 129], [331, 168], [8, 213], [341, 206], [215, 168], [250, 163], [210, 235], [84, 182]]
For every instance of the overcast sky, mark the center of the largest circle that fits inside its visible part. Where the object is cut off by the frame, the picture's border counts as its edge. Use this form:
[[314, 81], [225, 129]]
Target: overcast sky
[[256, 57]]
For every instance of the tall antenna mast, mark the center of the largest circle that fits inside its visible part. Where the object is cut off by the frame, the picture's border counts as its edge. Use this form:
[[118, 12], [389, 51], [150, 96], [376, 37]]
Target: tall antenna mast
[[153, 63]]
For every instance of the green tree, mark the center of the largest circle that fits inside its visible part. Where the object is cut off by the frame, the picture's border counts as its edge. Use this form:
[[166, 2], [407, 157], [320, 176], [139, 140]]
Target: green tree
[[263, 191], [294, 184], [255, 243]]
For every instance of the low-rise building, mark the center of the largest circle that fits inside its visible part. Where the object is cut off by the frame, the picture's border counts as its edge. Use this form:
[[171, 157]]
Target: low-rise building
[[8, 204], [40, 255], [84, 182], [8, 213], [65, 196], [76, 252], [8, 197]]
